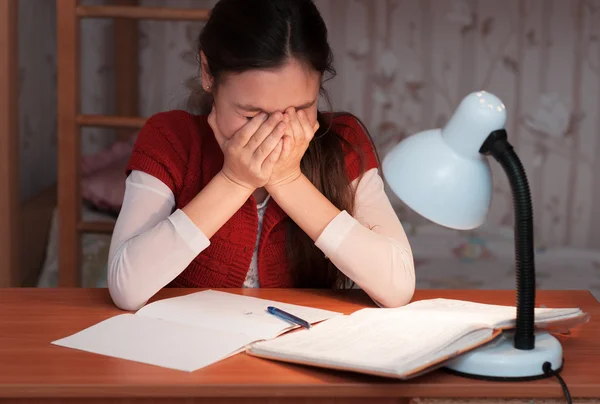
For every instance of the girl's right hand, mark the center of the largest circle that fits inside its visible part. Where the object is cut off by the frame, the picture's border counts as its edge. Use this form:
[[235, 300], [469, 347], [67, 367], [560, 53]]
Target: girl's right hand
[[251, 153]]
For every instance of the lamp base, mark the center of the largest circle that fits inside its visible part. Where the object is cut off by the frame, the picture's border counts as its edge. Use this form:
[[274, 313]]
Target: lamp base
[[500, 360]]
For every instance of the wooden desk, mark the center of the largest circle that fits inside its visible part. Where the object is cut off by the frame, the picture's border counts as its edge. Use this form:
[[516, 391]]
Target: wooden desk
[[31, 368]]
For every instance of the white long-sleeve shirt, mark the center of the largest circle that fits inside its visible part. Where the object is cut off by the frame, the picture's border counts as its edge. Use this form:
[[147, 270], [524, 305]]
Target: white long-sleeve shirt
[[153, 243]]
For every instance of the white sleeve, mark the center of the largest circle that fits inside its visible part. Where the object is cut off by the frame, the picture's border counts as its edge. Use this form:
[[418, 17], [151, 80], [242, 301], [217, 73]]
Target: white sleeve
[[371, 248], [151, 244]]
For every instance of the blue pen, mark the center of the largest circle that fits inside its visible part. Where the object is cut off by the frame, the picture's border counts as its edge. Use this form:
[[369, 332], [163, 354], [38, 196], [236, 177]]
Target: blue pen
[[287, 316]]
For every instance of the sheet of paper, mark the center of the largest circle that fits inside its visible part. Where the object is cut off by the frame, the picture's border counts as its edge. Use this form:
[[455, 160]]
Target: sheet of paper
[[230, 312], [376, 340], [492, 315], [156, 342]]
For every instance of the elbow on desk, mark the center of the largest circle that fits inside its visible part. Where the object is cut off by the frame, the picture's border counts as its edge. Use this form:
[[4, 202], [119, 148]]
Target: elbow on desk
[[399, 297], [123, 298], [402, 283], [122, 290], [123, 301]]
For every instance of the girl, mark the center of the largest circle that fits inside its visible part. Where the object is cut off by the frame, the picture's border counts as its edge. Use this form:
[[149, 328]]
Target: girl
[[260, 189]]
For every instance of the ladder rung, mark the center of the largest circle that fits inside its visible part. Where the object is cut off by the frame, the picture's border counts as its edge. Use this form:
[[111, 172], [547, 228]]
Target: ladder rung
[[111, 121], [143, 13], [96, 227]]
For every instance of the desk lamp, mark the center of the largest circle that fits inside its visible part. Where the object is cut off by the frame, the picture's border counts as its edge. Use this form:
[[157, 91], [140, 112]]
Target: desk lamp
[[443, 174]]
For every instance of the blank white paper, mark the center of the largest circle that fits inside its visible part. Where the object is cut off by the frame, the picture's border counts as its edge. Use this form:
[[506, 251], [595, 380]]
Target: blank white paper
[[157, 342]]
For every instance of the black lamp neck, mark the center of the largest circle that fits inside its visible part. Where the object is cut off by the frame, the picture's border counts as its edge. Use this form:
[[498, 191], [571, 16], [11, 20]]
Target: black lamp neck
[[497, 146]]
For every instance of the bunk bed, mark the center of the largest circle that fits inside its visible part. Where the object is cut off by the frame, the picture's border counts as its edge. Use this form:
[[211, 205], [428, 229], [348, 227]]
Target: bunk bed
[[60, 210]]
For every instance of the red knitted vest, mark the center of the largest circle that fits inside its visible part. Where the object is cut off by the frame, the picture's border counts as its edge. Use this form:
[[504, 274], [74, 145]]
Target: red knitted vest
[[180, 150]]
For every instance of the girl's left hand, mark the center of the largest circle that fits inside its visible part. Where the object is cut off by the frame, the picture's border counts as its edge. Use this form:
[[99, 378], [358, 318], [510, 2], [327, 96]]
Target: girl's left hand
[[299, 133]]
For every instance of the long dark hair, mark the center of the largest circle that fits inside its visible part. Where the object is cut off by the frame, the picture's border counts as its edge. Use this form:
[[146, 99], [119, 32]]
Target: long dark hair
[[258, 34]]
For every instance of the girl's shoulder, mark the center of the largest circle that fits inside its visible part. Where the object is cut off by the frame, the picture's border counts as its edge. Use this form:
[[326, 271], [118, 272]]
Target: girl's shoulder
[[175, 131], [351, 128], [177, 125], [167, 144], [359, 149]]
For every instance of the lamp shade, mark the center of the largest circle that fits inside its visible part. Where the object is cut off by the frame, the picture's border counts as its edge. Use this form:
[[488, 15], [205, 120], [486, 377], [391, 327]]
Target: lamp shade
[[440, 173]]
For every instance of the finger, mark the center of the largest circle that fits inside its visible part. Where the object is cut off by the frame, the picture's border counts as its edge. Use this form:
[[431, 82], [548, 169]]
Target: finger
[[273, 157], [245, 133], [267, 146], [316, 127], [288, 127], [273, 123], [295, 125], [306, 126], [288, 146]]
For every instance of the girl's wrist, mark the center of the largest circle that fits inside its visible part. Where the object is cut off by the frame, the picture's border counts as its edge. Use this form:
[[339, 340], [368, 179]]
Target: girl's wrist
[[230, 185], [285, 185], [216, 203], [273, 186]]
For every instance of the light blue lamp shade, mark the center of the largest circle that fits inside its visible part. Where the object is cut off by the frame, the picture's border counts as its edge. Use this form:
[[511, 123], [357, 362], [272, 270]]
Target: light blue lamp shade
[[440, 173]]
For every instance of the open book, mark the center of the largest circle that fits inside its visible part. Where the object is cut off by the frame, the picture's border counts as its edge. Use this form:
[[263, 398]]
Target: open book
[[191, 331], [402, 342]]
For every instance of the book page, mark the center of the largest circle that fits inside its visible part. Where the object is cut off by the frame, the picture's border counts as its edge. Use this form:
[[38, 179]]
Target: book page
[[230, 312], [491, 315], [378, 341], [156, 342]]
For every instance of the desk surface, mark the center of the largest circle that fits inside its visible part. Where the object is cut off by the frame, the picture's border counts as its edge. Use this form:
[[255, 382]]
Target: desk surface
[[31, 367]]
